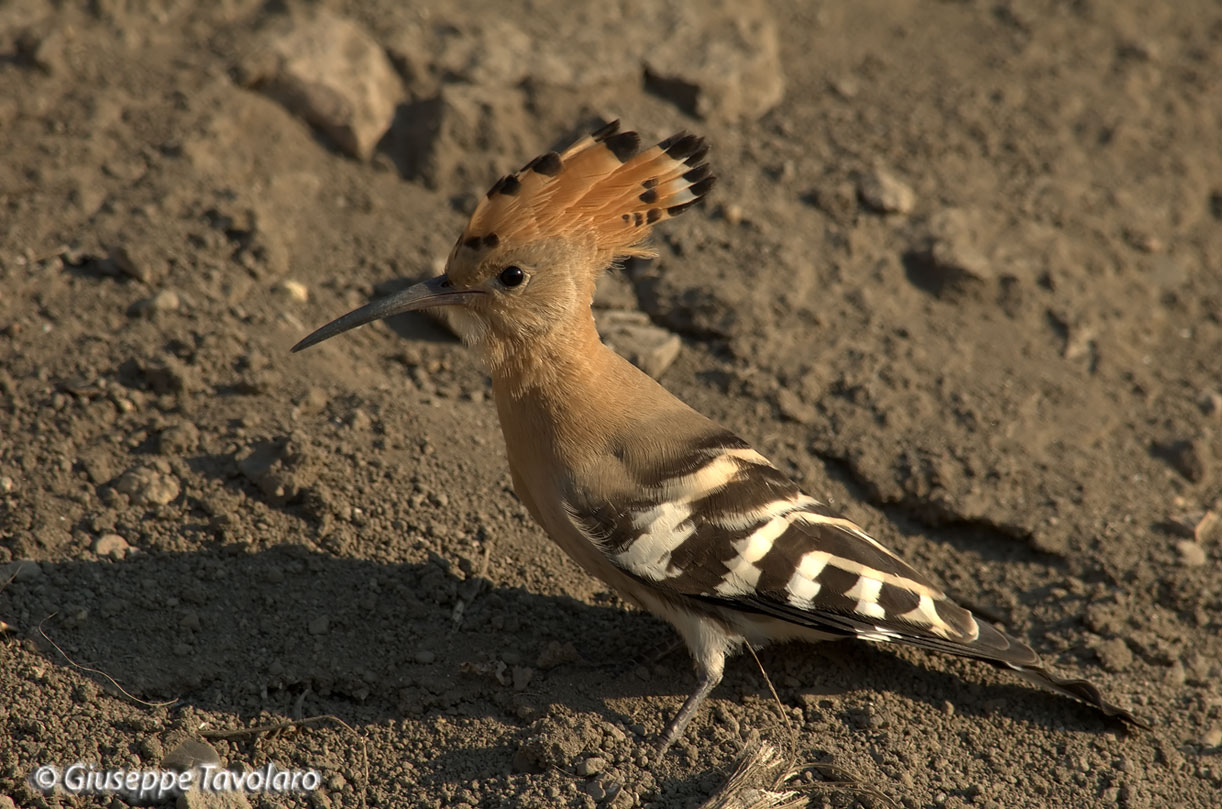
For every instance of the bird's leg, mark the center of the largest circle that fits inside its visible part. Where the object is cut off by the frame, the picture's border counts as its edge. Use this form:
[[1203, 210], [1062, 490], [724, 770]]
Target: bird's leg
[[707, 681]]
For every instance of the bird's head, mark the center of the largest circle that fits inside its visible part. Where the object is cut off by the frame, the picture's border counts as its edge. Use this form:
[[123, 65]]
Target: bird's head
[[527, 262]]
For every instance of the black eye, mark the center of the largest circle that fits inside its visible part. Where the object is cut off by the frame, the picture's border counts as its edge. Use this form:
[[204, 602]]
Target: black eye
[[511, 276]]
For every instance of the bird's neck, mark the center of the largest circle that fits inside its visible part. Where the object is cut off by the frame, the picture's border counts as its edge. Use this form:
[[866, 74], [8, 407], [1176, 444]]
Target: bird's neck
[[558, 371], [565, 391]]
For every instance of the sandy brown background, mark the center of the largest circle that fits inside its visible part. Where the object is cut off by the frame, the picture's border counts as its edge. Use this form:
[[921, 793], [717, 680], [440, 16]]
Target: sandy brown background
[[1015, 379]]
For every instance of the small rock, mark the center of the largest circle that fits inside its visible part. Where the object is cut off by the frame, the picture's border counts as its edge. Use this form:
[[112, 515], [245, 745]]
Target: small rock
[[1188, 457], [6, 484], [331, 72], [358, 419], [882, 191], [1211, 403], [951, 258], [490, 51], [164, 301], [1207, 527], [293, 290], [1212, 737], [98, 464], [47, 49], [1191, 554], [591, 766], [425, 657], [458, 138], [151, 749], [138, 262], [320, 625], [846, 86], [281, 467], [148, 487], [594, 789], [111, 545], [721, 60], [1114, 654], [178, 439], [794, 408], [632, 335]]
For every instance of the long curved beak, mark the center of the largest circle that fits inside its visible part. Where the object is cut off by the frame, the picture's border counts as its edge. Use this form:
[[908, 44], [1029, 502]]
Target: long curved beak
[[433, 292]]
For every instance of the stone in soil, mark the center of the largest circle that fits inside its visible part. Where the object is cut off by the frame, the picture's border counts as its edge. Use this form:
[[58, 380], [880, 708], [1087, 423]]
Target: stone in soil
[[949, 258], [631, 334], [883, 192], [721, 60], [332, 73], [111, 545], [281, 467], [146, 486]]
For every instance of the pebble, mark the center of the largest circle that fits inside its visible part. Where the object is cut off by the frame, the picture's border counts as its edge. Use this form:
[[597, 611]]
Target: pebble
[[883, 192], [949, 259], [1212, 737], [1191, 554], [281, 467], [358, 419], [631, 334], [332, 73], [1186, 456], [148, 487], [1114, 654], [424, 657], [320, 625], [1207, 527], [6, 484], [178, 438], [721, 60], [111, 545], [591, 766], [293, 290], [136, 262], [794, 408], [164, 301], [594, 789]]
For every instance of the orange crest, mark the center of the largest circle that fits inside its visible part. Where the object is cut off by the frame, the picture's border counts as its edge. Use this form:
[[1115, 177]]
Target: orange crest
[[601, 186]]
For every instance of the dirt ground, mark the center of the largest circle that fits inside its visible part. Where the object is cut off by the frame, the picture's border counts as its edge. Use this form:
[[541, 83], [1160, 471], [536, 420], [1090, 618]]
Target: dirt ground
[[961, 276]]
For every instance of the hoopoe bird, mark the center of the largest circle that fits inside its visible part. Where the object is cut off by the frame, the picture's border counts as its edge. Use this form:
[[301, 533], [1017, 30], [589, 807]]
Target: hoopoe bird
[[676, 513]]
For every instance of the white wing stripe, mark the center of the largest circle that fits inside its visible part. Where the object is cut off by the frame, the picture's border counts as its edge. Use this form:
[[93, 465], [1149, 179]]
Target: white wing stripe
[[743, 573], [737, 522], [649, 554], [866, 592]]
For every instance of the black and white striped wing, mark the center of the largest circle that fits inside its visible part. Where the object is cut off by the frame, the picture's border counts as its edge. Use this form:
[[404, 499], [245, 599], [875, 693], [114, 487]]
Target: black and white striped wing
[[724, 531]]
